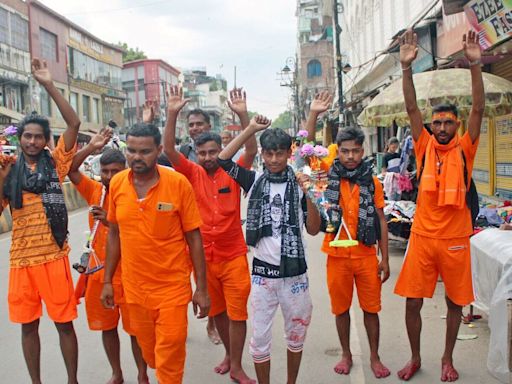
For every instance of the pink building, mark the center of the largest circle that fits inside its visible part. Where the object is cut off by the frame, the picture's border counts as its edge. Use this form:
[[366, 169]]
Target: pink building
[[147, 79]]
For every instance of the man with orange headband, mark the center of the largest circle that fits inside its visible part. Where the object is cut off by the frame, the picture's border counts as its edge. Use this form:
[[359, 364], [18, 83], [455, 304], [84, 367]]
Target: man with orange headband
[[439, 243]]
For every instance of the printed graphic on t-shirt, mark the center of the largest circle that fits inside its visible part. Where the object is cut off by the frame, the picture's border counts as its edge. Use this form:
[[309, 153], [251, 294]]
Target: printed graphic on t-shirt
[[276, 212]]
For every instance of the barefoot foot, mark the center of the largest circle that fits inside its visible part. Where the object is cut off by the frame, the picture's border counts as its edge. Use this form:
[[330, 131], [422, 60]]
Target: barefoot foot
[[213, 335], [223, 367], [344, 366], [116, 380], [379, 370], [409, 370], [448, 372], [240, 377]]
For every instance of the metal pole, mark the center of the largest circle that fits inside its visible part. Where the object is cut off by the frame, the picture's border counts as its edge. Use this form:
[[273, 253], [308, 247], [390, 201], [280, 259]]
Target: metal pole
[[339, 69]]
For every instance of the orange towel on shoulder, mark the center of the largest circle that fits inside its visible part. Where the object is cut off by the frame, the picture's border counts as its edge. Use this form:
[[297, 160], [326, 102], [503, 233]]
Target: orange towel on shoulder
[[449, 182]]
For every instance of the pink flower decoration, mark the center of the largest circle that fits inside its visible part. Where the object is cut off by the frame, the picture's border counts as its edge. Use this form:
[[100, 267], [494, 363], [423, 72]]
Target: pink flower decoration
[[302, 133], [320, 151], [307, 150]]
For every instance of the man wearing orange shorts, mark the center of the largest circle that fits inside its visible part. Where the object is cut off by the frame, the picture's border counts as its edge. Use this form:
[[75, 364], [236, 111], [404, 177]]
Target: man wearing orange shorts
[[153, 219], [218, 197], [353, 187], [439, 243], [112, 161], [39, 251]]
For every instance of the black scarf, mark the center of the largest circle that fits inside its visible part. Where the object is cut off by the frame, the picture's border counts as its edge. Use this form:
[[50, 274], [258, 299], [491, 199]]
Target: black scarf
[[368, 227], [45, 182], [259, 221]]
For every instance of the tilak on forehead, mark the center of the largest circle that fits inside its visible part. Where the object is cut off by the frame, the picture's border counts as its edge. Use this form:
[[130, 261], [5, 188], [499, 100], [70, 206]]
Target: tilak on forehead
[[444, 116]]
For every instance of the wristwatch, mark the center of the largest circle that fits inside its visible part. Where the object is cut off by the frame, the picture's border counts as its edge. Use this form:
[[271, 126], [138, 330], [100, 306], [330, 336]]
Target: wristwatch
[[476, 62]]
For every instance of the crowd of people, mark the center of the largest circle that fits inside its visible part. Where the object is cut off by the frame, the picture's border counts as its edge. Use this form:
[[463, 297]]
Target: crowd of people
[[152, 226]]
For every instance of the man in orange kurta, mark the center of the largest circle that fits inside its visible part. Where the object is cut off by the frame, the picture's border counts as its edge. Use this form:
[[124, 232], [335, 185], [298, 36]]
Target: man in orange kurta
[[112, 161], [358, 264], [439, 243], [153, 218], [218, 197], [39, 251]]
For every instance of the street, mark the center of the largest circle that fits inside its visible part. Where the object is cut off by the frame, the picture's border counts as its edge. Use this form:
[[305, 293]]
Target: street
[[322, 347]]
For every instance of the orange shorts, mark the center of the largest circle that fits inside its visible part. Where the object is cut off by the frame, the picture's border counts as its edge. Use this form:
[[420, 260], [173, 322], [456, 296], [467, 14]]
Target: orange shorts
[[162, 335], [101, 318], [426, 258], [50, 282], [229, 286], [342, 272]]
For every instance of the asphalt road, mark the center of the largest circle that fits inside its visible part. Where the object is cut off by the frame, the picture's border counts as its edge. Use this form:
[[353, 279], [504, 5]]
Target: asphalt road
[[321, 350]]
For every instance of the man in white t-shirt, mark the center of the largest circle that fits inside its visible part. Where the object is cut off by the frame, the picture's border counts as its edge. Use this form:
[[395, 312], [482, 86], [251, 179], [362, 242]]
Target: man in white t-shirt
[[278, 209]]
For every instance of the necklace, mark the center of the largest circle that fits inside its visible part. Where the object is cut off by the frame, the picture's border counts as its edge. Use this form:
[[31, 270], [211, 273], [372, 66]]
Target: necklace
[[439, 163]]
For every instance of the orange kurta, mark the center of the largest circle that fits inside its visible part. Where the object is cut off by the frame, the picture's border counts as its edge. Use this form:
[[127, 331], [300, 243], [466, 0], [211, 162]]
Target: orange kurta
[[442, 222], [39, 267], [156, 264]]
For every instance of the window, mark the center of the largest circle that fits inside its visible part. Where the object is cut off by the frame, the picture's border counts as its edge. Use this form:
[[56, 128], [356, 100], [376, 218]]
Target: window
[[4, 26], [19, 32], [86, 108], [46, 103], [83, 67], [95, 110], [73, 101], [48, 45], [314, 69], [57, 111]]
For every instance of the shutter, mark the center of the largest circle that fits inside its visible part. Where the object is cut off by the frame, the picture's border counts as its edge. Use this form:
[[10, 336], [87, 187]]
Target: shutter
[[503, 150], [483, 174]]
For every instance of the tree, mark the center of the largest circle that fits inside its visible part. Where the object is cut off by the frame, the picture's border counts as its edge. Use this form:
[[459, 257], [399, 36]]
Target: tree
[[283, 121], [131, 54]]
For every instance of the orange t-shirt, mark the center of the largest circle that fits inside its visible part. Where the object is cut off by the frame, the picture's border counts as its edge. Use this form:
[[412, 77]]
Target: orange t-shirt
[[218, 198], [446, 222], [91, 191], [32, 239], [349, 202], [155, 262]]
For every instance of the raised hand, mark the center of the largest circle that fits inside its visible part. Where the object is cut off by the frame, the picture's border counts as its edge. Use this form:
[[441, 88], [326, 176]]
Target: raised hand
[[408, 48], [321, 102], [99, 140], [41, 72], [175, 100], [237, 101], [471, 46], [148, 111], [259, 123]]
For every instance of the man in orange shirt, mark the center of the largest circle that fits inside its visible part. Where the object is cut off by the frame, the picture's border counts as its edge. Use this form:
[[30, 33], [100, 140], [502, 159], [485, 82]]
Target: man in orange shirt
[[39, 250], [439, 242], [112, 161], [218, 196], [153, 219], [353, 187]]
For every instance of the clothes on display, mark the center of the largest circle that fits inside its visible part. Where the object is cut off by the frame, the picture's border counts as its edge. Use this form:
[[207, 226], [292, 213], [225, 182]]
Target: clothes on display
[[399, 216]]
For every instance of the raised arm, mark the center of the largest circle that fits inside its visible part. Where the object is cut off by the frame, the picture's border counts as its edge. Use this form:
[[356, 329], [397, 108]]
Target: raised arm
[[238, 104], [257, 123], [175, 103], [98, 141], [148, 111], [320, 104], [408, 53], [43, 76], [474, 55]]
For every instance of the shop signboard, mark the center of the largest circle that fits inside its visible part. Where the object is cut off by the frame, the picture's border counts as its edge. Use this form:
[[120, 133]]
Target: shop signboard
[[492, 19]]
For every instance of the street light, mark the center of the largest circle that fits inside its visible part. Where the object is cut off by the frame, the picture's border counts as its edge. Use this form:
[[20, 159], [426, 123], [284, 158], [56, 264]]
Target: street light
[[289, 79]]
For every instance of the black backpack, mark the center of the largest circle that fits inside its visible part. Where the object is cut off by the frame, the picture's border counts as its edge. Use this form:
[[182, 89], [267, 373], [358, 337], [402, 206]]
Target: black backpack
[[471, 193], [185, 149]]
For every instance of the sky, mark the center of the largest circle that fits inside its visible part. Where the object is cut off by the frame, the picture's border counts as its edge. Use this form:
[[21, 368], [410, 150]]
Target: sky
[[256, 36]]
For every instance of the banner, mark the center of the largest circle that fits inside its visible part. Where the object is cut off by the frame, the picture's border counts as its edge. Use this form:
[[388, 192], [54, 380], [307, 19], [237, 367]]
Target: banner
[[492, 19]]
